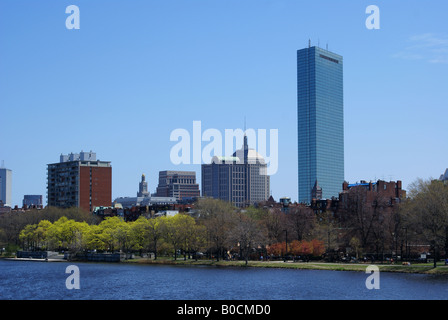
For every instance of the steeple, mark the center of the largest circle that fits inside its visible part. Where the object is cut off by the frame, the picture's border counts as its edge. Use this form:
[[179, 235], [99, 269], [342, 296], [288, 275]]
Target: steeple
[[316, 193], [143, 187]]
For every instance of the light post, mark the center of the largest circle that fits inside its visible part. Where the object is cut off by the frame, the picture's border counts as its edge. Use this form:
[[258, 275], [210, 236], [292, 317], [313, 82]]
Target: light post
[[286, 243], [406, 243]]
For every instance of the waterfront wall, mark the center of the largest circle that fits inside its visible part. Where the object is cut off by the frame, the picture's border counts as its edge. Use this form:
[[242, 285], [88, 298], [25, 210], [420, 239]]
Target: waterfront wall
[[96, 257], [32, 254]]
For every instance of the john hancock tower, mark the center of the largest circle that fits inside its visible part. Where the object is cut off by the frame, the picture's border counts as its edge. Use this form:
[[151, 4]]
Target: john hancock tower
[[320, 122]]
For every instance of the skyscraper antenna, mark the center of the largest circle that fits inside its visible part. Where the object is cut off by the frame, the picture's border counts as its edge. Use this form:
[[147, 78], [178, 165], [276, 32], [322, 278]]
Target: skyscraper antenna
[[309, 43]]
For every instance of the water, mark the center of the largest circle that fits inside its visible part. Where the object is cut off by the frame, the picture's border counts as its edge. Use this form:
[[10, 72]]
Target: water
[[27, 280]]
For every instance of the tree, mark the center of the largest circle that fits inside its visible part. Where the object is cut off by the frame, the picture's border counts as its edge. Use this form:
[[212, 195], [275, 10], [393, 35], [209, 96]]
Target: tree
[[356, 214], [28, 236], [301, 221], [276, 249], [94, 238], [218, 217], [154, 234], [184, 228], [426, 213], [198, 239], [275, 222], [109, 234], [247, 235]]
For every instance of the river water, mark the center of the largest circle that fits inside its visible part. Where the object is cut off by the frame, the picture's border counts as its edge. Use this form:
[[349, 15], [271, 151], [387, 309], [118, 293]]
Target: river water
[[28, 280]]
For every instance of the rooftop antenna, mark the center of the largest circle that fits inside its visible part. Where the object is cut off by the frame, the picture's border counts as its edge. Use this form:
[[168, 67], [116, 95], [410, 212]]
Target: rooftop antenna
[[327, 46], [309, 43]]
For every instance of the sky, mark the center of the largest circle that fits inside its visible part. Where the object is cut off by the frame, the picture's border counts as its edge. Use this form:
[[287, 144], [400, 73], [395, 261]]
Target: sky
[[135, 71]]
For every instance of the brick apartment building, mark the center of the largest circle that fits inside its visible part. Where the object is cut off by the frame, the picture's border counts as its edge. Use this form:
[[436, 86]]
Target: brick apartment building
[[79, 180], [391, 191]]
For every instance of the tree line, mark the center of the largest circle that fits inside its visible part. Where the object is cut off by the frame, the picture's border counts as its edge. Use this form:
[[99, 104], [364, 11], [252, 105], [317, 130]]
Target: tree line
[[357, 228]]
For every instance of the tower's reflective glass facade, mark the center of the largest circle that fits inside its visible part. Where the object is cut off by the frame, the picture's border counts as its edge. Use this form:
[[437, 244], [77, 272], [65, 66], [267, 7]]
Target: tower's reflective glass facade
[[320, 122]]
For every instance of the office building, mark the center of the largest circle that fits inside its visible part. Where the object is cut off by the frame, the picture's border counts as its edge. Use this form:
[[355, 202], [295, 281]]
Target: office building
[[178, 184], [240, 179], [79, 180], [320, 123], [31, 200], [6, 187]]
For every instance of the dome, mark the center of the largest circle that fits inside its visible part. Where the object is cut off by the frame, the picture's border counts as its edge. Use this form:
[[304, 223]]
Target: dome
[[252, 156]]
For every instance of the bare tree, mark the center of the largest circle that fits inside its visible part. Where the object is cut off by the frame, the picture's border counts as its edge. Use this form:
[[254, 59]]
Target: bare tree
[[301, 221], [426, 213], [247, 234], [218, 217]]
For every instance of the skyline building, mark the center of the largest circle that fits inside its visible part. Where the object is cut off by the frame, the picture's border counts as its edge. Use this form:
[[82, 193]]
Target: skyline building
[[178, 184], [6, 187], [79, 180], [320, 123], [240, 179], [143, 188], [32, 200]]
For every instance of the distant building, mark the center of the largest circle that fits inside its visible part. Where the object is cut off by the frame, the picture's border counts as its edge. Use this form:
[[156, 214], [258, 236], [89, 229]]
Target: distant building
[[143, 188], [79, 180], [178, 184], [240, 179], [128, 202], [6, 187], [391, 191], [30, 201], [316, 193], [444, 177]]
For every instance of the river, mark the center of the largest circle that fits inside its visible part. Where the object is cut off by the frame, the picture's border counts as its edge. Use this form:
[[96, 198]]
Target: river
[[28, 280]]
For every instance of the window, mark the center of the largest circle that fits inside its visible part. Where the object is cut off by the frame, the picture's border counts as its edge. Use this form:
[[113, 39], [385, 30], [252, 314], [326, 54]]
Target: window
[[328, 58]]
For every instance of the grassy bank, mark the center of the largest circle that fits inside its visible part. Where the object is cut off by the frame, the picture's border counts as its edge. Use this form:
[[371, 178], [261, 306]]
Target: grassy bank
[[360, 267]]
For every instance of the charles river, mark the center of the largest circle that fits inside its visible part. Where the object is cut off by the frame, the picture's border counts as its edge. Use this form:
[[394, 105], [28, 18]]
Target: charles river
[[29, 280]]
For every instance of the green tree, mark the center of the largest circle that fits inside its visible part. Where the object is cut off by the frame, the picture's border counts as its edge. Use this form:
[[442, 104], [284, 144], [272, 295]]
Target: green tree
[[28, 237], [109, 232]]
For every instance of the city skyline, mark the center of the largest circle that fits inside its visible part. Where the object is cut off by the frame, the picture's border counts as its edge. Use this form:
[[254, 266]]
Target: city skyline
[[134, 72]]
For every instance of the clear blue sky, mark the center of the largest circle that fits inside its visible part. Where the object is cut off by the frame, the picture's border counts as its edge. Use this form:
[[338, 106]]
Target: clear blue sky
[[137, 70]]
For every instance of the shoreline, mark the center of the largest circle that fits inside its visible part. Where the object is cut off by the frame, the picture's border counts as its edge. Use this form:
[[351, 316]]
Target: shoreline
[[314, 265], [318, 265]]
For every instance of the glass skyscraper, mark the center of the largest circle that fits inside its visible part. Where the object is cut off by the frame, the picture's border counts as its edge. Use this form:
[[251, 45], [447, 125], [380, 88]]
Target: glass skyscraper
[[320, 122]]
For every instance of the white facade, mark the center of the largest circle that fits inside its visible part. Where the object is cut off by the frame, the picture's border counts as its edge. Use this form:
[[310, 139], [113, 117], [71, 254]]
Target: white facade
[[128, 202], [6, 186]]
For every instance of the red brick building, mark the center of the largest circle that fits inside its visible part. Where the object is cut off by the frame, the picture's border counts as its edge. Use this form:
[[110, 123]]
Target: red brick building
[[392, 191], [79, 180]]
